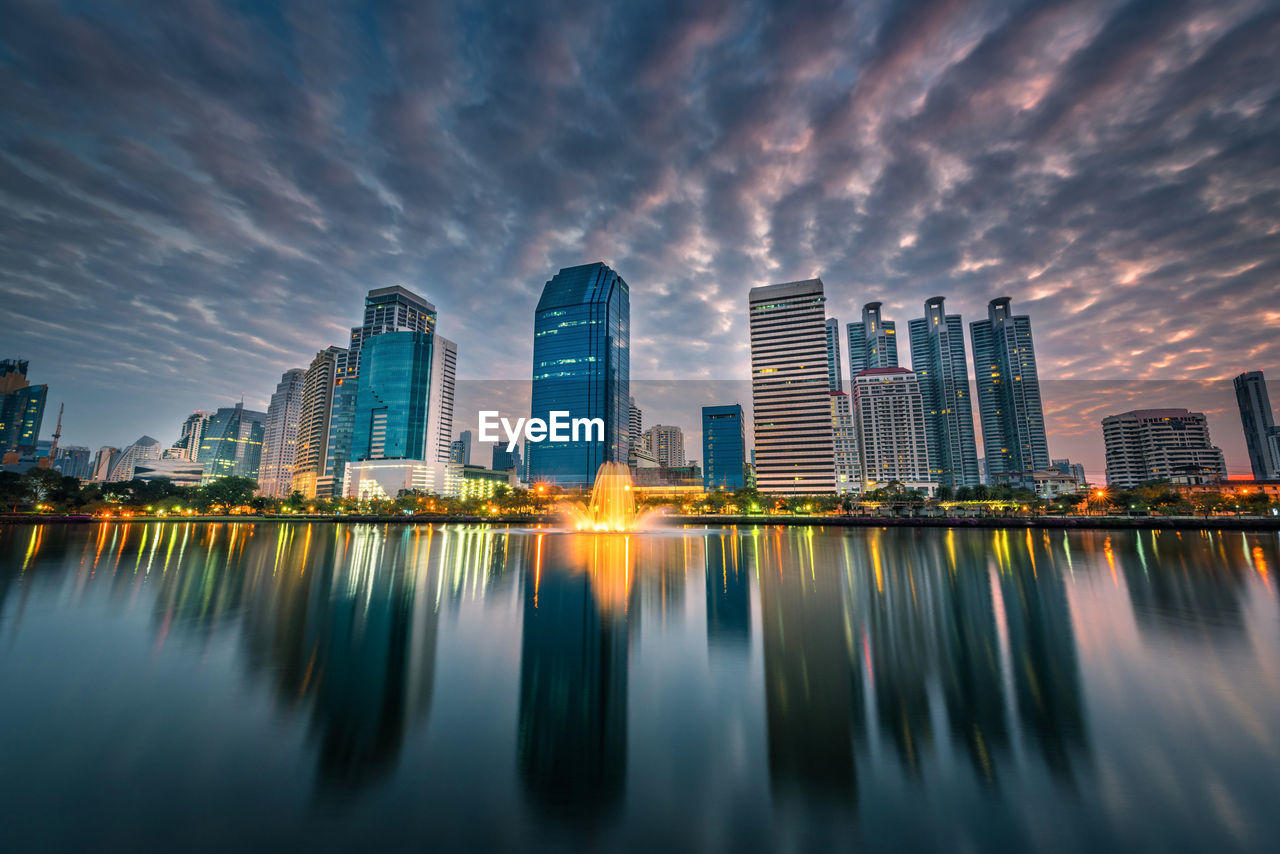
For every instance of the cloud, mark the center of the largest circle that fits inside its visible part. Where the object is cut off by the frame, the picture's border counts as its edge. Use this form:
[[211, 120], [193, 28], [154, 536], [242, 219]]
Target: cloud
[[203, 192]]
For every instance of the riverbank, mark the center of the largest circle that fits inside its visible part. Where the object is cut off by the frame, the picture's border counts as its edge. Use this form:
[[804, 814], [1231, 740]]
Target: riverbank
[[1140, 523]]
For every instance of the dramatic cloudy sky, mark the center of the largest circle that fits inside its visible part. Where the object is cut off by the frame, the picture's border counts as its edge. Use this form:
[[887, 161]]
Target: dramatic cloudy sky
[[194, 196]]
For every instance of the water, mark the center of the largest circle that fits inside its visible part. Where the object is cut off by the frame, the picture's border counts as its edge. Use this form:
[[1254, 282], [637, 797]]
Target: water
[[330, 687]]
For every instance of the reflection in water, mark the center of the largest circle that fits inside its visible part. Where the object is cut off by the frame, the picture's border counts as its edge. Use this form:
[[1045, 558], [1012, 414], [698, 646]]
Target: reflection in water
[[883, 661], [573, 673]]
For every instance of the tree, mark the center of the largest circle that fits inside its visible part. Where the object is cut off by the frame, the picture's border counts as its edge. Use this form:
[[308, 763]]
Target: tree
[[15, 490], [228, 492]]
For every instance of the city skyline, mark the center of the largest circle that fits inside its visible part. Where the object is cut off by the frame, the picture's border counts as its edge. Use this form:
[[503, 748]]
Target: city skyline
[[1105, 165]]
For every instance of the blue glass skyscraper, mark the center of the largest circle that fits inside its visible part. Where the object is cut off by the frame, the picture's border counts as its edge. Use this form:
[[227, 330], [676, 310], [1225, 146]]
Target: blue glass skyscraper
[[392, 400], [724, 448], [1004, 360], [581, 365], [938, 358]]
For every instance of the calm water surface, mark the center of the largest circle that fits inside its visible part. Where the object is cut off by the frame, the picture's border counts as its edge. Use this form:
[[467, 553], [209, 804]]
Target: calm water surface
[[252, 686]]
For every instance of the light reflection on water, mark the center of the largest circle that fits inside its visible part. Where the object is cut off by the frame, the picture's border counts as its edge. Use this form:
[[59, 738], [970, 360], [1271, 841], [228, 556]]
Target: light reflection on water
[[196, 686]]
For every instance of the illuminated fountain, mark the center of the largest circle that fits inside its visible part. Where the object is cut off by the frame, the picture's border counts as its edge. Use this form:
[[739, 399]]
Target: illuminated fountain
[[612, 505]]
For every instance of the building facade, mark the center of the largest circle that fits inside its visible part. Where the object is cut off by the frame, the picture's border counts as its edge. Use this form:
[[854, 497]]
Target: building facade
[[1258, 422], [873, 342], [311, 451], [1004, 360], [232, 443], [143, 450], [844, 435], [103, 461], [635, 423], [724, 448], [893, 446], [835, 375], [191, 434], [21, 408], [393, 397], [582, 365], [280, 437], [790, 388], [1160, 444], [666, 443], [74, 461], [938, 359]]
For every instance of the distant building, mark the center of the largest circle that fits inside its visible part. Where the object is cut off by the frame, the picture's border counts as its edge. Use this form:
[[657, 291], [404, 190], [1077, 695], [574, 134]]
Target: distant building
[[1052, 483], [232, 443], [790, 388], [191, 434], [143, 450], [21, 408], [635, 423], [1160, 444], [724, 448], [1258, 421], [1075, 470], [873, 342], [892, 443], [938, 358], [379, 480], [103, 462], [666, 442], [460, 449], [504, 460], [581, 364], [178, 472], [323, 376], [687, 477], [280, 437], [74, 461], [478, 482], [835, 378], [1004, 360], [845, 443]]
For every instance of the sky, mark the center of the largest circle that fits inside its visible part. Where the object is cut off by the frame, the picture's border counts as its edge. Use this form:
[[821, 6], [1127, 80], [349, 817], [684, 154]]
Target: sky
[[195, 196]]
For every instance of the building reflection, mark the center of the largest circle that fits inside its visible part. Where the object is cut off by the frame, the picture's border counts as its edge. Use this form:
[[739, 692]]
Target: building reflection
[[573, 674], [808, 673], [728, 592], [1187, 586]]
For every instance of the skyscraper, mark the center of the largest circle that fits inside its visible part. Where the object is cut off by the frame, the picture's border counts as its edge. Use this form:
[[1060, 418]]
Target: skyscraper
[[845, 444], [232, 443], [1259, 426], [103, 461], [666, 443], [873, 342], [835, 377], [392, 309], [444, 370], [310, 456], [581, 365], [636, 424], [1160, 444], [1004, 359], [890, 421], [140, 451], [790, 388], [280, 437], [192, 432], [392, 400], [21, 408], [504, 460], [724, 448], [73, 461], [938, 358]]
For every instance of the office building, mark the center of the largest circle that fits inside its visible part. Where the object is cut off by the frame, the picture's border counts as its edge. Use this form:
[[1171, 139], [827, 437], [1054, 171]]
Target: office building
[[232, 443], [191, 434], [790, 389], [873, 342], [460, 449], [325, 375], [635, 424], [444, 370], [178, 471], [1160, 444], [581, 365], [74, 461], [666, 443], [724, 448], [1258, 421], [21, 408], [392, 398], [1004, 361], [391, 309], [835, 375], [1074, 470], [103, 462], [938, 359], [280, 437], [504, 460], [845, 444], [143, 450], [893, 446], [380, 480]]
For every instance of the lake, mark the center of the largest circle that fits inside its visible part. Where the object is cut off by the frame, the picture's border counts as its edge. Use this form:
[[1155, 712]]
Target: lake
[[214, 687]]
